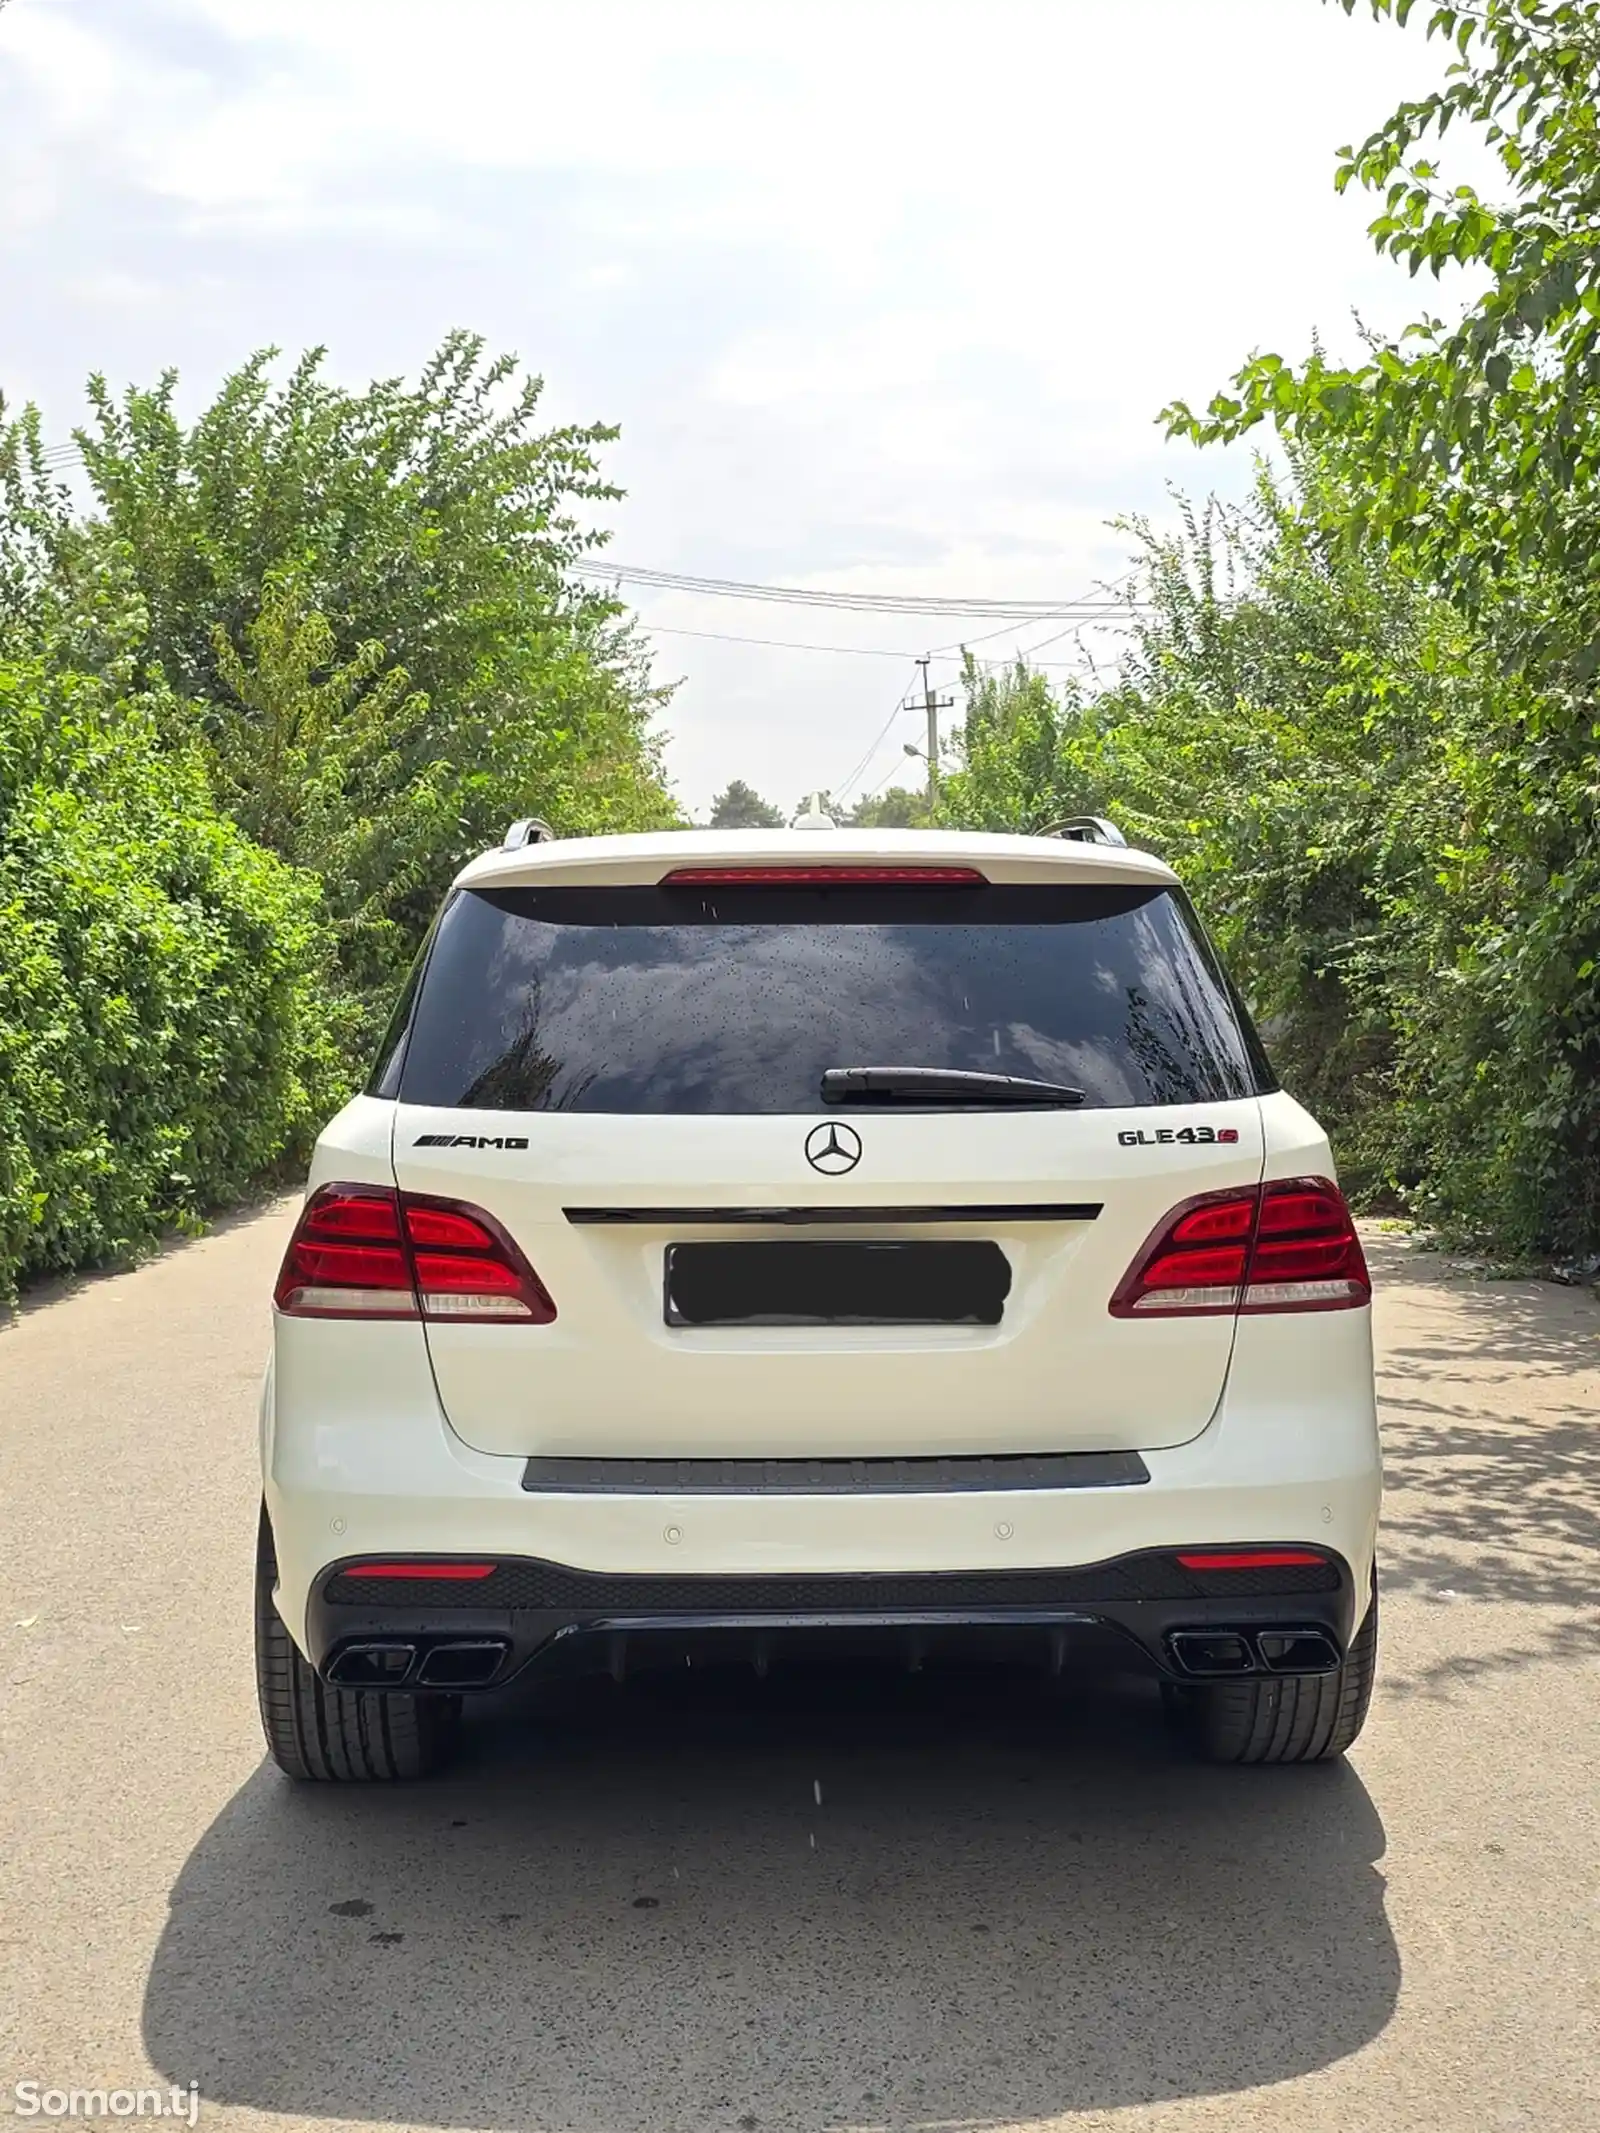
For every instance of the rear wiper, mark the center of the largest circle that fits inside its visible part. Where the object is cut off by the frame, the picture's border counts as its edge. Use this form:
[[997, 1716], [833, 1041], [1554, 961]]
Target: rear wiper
[[939, 1085]]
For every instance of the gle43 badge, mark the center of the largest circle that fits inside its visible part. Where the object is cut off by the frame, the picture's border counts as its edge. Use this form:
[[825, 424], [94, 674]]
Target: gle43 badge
[[1187, 1136]]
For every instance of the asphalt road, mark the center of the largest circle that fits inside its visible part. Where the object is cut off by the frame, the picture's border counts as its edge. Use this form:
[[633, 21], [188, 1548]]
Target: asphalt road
[[634, 1915]]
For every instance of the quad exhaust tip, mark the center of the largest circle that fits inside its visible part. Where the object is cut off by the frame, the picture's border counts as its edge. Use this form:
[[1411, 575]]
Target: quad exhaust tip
[[372, 1666], [1208, 1653], [1214, 1654], [392, 1663], [468, 1664], [1297, 1651]]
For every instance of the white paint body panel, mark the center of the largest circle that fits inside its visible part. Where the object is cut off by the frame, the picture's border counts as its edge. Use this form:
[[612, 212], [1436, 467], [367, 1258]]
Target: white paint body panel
[[611, 1377], [362, 1462], [379, 1438]]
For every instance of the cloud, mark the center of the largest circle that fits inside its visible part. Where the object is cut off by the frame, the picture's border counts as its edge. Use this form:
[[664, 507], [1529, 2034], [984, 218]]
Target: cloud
[[882, 293]]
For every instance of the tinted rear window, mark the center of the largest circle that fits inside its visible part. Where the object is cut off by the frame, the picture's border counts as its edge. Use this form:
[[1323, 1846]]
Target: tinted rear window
[[736, 1001]]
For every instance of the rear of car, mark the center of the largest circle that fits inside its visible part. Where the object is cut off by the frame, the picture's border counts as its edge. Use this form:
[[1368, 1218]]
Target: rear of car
[[753, 1233]]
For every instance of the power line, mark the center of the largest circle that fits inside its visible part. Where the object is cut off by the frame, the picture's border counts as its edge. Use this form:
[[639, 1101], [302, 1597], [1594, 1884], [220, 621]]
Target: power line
[[56, 457], [1056, 666], [874, 791], [872, 651], [851, 602], [962, 644], [1043, 645], [782, 644], [867, 651], [841, 790]]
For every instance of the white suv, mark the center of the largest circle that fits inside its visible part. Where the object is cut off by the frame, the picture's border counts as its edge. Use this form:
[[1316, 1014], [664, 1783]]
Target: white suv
[[752, 1234]]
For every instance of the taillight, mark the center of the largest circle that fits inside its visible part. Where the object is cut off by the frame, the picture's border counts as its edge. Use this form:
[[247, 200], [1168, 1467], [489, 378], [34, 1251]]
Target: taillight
[[1288, 1246], [346, 1258], [467, 1267], [362, 1251]]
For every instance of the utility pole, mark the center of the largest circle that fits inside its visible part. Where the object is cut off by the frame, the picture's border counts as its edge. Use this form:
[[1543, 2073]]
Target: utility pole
[[932, 705]]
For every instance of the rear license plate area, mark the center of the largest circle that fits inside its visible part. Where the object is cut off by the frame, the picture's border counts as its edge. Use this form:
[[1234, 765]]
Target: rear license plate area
[[843, 1284]]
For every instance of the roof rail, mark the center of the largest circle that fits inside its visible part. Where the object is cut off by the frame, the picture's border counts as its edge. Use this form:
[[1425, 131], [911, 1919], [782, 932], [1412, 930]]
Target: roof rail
[[1086, 829], [530, 830]]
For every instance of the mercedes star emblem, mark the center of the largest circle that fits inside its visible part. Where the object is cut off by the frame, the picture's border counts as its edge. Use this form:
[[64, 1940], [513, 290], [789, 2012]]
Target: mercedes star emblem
[[833, 1149]]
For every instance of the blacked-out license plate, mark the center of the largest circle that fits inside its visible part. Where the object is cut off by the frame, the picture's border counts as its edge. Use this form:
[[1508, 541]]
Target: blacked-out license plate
[[836, 1284]]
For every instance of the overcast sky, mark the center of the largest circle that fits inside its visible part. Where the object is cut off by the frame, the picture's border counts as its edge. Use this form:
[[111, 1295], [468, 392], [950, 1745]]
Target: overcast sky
[[882, 296]]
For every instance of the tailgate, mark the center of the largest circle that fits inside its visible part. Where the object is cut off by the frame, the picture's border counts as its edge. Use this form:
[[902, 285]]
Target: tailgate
[[628, 1074], [598, 1201]]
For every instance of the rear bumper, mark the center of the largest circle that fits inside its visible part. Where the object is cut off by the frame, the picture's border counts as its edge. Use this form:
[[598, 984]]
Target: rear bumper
[[358, 1461], [434, 1631]]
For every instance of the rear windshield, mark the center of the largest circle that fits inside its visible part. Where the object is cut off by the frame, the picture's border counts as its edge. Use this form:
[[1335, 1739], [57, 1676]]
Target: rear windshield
[[738, 1000]]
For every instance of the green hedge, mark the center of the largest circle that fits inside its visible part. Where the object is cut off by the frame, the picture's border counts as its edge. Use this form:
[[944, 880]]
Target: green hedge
[[166, 1029]]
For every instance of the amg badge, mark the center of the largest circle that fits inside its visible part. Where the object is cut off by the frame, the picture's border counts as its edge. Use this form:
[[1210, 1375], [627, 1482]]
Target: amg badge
[[470, 1140]]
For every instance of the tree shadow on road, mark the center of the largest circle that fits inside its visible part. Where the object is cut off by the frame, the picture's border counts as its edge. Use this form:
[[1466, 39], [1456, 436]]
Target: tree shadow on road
[[1490, 1403], [53, 1292], [631, 1912], [1491, 1409], [1482, 1510]]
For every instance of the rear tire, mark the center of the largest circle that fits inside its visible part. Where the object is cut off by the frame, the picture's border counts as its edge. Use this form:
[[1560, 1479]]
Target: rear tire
[[1306, 1718], [325, 1735]]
